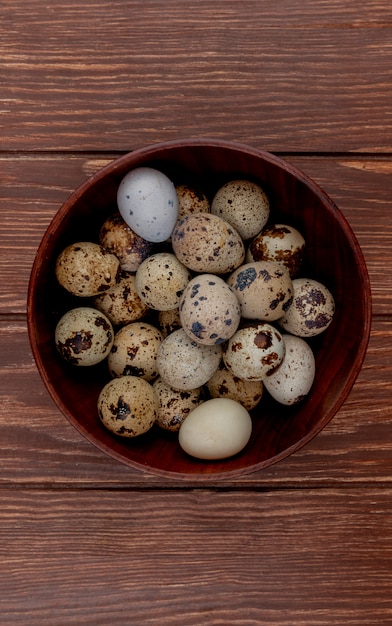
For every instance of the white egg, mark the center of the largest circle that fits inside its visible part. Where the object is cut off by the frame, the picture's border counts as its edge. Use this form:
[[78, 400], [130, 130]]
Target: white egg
[[293, 379], [148, 203], [216, 429]]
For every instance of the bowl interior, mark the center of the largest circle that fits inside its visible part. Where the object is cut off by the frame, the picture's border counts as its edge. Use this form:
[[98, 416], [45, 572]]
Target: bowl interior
[[333, 256]]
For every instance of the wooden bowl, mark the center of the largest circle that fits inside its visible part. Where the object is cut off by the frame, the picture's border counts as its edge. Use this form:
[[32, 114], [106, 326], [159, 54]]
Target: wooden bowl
[[333, 257]]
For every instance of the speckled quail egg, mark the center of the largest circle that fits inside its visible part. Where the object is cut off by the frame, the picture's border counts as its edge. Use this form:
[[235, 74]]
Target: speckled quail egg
[[191, 200], [254, 351], [223, 384], [281, 243], [216, 429], [311, 311], [119, 239], [184, 364], [148, 203], [209, 310], [244, 205], [169, 321], [87, 269], [208, 244], [174, 405], [134, 351], [293, 379], [84, 336], [128, 406], [161, 280], [263, 288], [121, 303]]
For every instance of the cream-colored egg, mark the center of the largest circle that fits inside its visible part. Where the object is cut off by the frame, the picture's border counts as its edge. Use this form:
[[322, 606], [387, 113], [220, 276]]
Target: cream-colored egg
[[128, 406], [208, 244], [86, 269], [209, 310], [119, 239], [134, 351], [292, 381], [217, 429], [84, 336], [161, 280], [121, 303], [254, 351], [175, 405], [312, 309], [148, 203], [263, 288], [244, 205], [280, 243], [184, 364], [224, 384]]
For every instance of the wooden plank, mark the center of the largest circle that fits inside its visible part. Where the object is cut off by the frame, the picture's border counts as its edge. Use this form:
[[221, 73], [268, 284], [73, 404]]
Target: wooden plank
[[32, 189], [300, 558], [39, 447], [308, 77]]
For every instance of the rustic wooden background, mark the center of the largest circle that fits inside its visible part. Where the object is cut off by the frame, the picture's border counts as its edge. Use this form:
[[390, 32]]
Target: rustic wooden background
[[83, 539]]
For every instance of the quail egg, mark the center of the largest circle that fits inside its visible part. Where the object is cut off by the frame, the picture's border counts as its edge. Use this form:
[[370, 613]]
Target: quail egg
[[254, 351], [209, 310], [161, 280], [311, 311], [134, 351], [121, 303], [84, 336], [119, 239], [128, 406], [224, 384], [87, 269], [280, 243], [244, 205], [263, 288], [175, 405]]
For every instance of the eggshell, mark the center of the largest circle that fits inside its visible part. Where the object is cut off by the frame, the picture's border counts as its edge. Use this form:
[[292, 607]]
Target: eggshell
[[311, 311], [244, 205], [293, 379], [169, 321], [254, 351], [224, 384], [174, 405], [184, 364], [263, 288], [208, 244], [134, 351], [121, 303], [128, 406], [191, 200], [148, 203], [217, 429], [86, 269], [161, 280], [84, 336], [209, 310], [280, 243], [119, 239]]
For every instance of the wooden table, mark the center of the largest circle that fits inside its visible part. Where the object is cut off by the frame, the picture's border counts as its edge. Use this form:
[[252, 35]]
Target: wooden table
[[84, 539]]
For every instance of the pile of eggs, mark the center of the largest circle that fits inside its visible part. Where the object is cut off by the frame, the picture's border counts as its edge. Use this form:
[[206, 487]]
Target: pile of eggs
[[196, 306]]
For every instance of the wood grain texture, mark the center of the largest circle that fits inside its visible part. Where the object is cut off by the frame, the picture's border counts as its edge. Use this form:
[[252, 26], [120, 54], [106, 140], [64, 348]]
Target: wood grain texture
[[208, 558], [39, 447], [120, 75], [32, 189]]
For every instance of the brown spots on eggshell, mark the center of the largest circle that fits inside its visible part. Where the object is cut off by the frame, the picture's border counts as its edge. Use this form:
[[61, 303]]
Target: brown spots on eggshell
[[87, 269], [134, 351], [206, 243], [191, 200], [279, 243], [243, 204], [311, 311], [119, 239], [175, 405], [121, 303], [161, 280], [254, 351], [128, 406], [224, 384], [84, 336]]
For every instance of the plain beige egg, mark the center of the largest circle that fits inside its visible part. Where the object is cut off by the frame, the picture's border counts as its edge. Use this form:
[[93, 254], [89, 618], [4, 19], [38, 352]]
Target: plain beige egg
[[217, 429]]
